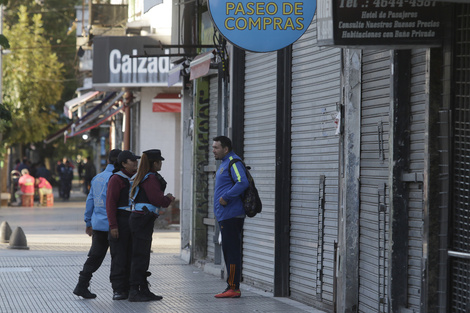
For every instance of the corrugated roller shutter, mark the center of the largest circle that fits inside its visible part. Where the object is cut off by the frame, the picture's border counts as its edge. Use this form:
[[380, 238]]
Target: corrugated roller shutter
[[415, 203], [459, 269], [259, 153], [213, 105], [374, 172], [316, 86]]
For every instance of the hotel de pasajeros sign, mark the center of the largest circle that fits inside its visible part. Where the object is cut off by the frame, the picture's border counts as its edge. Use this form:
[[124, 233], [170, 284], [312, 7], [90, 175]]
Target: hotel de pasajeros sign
[[399, 23]]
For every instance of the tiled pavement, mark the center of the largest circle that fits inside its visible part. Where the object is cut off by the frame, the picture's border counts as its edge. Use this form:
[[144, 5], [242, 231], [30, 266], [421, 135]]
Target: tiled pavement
[[41, 278]]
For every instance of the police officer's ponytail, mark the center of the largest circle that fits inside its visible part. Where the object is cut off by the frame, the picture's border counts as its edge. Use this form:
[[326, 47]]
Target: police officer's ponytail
[[141, 172], [117, 167], [112, 158]]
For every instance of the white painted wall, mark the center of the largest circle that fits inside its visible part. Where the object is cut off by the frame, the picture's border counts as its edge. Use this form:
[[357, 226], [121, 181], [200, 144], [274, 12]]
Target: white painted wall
[[161, 131], [158, 18]]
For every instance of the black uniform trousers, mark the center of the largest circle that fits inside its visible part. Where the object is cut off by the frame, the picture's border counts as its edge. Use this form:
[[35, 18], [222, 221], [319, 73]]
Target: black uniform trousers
[[121, 252], [142, 229], [96, 255], [231, 230]]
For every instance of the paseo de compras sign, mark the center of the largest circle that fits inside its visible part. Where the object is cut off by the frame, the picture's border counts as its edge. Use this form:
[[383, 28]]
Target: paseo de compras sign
[[262, 26]]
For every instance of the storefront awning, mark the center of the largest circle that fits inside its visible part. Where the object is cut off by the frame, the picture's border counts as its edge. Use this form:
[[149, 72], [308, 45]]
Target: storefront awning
[[97, 122], [167, 102], [72, 105], [96, 112], [59, 133], [76, 127], [201, 64]]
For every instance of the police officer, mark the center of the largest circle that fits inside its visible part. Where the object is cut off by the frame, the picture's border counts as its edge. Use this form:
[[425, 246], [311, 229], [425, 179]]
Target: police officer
[[96, 226], [118, 212], [147, 197]]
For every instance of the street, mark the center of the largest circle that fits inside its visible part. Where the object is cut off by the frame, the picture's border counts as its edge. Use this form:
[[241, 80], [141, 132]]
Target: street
[[41, 278]]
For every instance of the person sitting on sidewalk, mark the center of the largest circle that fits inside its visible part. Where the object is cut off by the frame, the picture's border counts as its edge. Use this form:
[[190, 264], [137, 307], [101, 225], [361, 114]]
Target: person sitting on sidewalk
[[26, 184], [44, 187]]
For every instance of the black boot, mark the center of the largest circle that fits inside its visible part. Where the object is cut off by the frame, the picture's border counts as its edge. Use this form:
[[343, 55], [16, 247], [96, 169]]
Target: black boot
[[136, 295], [146, 291], [148, 294], [82, 290]]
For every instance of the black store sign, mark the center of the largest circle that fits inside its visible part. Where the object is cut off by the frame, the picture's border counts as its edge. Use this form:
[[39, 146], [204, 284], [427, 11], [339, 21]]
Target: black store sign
[[398, 23], [119, 61]]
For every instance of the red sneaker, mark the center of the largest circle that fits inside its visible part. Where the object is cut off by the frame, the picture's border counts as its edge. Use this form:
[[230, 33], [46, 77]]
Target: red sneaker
[[229, 293]]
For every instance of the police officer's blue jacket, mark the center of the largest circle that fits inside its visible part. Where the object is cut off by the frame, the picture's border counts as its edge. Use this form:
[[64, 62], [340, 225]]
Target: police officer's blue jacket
[[95, 212], [229, 191]]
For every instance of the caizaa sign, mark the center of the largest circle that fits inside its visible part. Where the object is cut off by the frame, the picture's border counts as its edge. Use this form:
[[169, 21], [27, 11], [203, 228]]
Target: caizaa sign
[[121, 61], [262, 26]]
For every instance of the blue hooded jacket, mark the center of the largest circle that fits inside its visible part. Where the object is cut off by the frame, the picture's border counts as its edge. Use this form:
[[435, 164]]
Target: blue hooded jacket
[[230, 192], [95, 212]]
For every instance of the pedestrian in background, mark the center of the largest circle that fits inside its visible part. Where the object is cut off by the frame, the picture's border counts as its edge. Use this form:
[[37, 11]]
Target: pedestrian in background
[[229, 211], [24, 165], [97, 226], [42, 171], [59, 167], [66, 177], [118, 211], [147, 197], [80, 168], [17, 164], [90, 172]]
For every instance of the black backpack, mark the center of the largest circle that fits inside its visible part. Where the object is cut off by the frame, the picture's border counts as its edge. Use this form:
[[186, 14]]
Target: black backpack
[[250, 198]]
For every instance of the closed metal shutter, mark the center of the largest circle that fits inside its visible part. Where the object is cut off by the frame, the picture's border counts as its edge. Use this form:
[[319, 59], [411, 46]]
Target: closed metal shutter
[[415, 203], [213, 114], [374, 173], [459, 271], [259, 153], [316, 86]]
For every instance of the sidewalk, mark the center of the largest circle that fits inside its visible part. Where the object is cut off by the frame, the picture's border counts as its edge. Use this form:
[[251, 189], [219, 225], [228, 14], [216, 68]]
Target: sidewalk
[[41, 278]]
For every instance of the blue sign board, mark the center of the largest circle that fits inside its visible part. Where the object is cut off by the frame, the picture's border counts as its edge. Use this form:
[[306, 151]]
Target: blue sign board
[[262, 26]]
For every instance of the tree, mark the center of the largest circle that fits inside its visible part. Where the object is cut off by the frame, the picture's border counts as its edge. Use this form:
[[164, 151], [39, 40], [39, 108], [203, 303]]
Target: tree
[[58, 17], [5, 115], [3, 40], [32, 81]]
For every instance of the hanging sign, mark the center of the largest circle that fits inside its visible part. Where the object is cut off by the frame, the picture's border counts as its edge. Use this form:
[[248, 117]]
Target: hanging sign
[[262, 26], [120, 61], [379, 23]]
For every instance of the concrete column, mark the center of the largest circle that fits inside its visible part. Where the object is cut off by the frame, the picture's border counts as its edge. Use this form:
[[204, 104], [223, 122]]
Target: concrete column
[[348, 219]]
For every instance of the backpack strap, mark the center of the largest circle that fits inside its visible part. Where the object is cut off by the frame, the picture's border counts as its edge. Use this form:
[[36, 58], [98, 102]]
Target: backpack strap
[[232, 162]]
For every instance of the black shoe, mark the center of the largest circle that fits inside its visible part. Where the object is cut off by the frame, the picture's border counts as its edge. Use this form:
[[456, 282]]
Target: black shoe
[[83, 292], [120, 295], [137, 296], [151, 295]]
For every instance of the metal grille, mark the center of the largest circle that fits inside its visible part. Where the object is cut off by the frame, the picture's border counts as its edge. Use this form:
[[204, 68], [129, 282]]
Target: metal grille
[[260, 154], [374, 211], [460, 223], [316, 86]]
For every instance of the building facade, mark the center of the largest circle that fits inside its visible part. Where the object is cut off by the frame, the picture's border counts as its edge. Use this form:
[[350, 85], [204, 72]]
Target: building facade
[[359, 154]]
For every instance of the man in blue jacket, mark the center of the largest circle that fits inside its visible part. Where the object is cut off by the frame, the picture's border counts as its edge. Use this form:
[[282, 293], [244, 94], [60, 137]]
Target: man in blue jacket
[[229, 211], [97, 226]]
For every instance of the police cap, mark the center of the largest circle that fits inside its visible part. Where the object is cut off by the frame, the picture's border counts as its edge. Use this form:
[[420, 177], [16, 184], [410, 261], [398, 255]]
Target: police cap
[[154, 154], [127, 155]]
